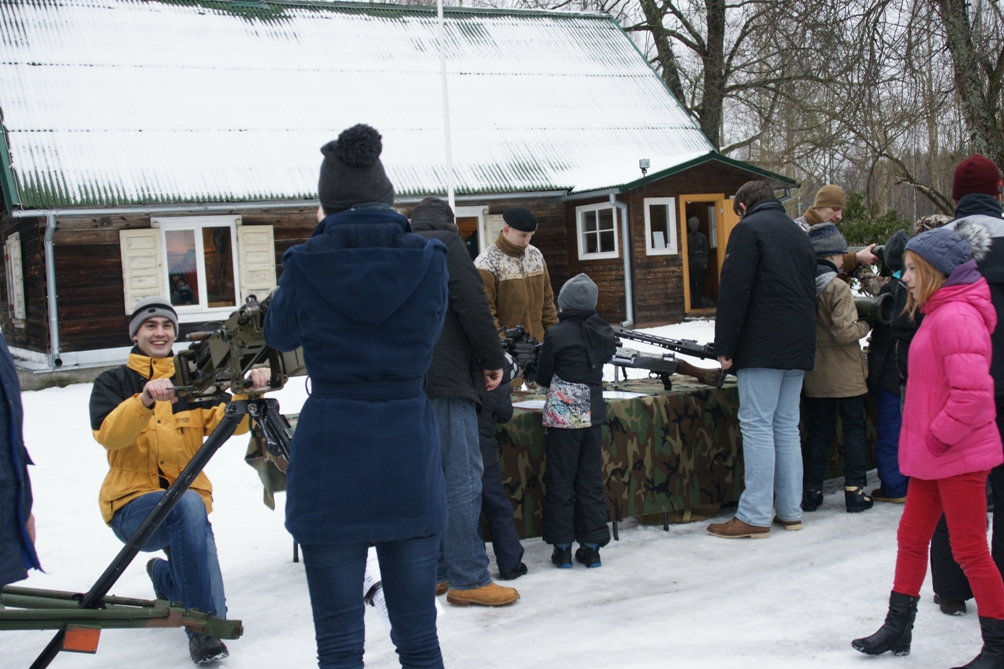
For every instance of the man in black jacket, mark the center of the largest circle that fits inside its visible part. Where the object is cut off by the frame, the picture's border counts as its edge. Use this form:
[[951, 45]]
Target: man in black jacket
[[765, 331], [976, 191], [467, 360]]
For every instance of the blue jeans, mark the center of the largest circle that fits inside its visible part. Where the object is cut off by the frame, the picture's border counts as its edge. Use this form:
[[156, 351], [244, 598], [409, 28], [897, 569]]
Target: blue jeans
[[463, 560], [192, 575], [888, 424], [408, 574], [772, 453]]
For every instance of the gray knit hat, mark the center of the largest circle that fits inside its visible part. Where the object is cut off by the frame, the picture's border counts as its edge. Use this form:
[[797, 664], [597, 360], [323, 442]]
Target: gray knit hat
[[827, 240], [946, 249], [152, 307], [579, 292]]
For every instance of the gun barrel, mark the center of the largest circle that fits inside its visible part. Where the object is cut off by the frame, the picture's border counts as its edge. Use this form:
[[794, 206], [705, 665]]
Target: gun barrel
[[684, 346]]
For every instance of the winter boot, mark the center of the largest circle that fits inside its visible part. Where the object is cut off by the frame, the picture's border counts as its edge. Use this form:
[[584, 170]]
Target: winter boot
[[205, 649], [589, 555], [992, 654], [897, 631], [856, 499], [950, 607], [811, 499], [562, 556]]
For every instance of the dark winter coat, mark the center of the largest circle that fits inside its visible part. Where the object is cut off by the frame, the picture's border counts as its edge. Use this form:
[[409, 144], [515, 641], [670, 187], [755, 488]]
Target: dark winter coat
[[17, 553], [987, 210], [882, 369], [365, 298], [766, 314], [575, 350], [497, 409], [469, 342], [902, 329]]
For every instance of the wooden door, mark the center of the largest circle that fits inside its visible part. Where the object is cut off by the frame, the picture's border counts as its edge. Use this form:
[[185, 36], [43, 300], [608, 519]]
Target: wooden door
[[727, 219], [713, 199]]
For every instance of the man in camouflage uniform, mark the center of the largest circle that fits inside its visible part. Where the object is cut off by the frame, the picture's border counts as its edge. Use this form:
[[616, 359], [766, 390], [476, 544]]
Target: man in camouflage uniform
[[516, 279]]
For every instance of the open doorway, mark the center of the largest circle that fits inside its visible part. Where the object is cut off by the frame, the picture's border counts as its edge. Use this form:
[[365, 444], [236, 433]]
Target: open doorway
[[702, 252], [470, 220]]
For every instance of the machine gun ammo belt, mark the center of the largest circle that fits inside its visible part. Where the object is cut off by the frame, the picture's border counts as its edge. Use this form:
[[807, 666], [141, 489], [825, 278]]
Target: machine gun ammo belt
[[368, 390]]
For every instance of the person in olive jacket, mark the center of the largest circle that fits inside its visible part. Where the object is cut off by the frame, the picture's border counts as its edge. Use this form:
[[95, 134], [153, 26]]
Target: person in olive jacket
[[837, 381], [17, 524], [765, 332], [571, 368]]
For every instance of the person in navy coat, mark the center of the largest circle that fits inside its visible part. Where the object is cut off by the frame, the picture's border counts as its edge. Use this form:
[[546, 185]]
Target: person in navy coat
[[17, 525], [365, 298]]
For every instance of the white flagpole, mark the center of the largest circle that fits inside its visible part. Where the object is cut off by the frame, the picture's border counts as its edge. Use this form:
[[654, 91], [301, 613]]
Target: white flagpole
[[446, 108]]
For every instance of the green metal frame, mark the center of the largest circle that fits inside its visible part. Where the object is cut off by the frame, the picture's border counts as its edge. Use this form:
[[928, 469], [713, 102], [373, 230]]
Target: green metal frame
[[7, 180], [34, 609]]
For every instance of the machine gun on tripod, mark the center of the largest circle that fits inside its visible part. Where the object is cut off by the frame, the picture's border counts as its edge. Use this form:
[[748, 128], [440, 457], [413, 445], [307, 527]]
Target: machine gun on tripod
[[664, 366], [215, 362]]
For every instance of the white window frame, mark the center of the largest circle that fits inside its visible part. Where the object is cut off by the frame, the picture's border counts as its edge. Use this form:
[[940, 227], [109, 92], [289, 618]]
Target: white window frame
[[672, 245], [196, 313], [584, 209], [481, 212], [14, 267]]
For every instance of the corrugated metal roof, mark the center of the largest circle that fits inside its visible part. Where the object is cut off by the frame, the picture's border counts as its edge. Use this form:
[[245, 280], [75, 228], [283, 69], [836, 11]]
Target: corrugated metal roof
[[111, 102]]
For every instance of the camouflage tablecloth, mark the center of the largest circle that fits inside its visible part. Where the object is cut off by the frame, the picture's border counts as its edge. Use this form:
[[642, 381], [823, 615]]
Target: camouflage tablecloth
[[662, 452]]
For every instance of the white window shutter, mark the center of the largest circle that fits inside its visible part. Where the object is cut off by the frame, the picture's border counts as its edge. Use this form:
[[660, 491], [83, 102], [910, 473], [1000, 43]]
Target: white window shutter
[[142, 266], [15, 278], [256, 251]]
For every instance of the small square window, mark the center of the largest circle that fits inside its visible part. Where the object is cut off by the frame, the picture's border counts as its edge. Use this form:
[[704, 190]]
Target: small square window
[[597, 232], [200, 263], [660, 226]]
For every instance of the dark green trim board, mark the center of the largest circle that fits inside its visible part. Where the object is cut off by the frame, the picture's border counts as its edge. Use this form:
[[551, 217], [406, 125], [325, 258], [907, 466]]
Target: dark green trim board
[[7, 181], [714, 155]]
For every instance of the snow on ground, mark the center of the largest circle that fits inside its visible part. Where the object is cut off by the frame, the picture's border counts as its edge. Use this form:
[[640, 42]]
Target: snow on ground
[[662, 599]]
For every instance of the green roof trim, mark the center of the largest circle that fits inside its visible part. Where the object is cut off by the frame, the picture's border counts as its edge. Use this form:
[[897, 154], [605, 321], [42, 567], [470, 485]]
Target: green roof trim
[[713, 155], [7, 181]]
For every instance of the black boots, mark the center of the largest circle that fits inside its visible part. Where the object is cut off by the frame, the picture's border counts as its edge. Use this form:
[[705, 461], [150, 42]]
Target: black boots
[[561, 557], [896, 633], [992, 655], [856, 499], [811, 499]]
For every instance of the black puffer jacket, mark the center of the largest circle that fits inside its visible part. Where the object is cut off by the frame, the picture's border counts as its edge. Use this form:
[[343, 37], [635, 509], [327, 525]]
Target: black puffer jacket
[[883, 371], [575, 350], [987, 210], [497, 408], [469, 343], [766, 313]]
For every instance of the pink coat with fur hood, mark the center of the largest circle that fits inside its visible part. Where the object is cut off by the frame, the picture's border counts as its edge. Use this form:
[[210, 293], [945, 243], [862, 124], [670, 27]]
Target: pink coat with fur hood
[[949, 418]]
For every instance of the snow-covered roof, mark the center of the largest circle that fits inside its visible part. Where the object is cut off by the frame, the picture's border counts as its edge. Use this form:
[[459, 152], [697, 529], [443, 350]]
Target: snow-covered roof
[[109, 102]]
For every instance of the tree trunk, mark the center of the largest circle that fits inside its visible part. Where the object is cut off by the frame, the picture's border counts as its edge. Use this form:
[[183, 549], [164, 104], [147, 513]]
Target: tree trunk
[[980, 113], [713, 96], [664, 50]]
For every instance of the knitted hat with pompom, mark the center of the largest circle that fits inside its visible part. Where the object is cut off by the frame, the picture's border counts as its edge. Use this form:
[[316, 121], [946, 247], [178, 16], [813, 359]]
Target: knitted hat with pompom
[[352, 173]]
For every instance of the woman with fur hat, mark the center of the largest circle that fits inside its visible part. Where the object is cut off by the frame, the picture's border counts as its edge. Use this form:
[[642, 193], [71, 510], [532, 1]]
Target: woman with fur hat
[[949, 439]]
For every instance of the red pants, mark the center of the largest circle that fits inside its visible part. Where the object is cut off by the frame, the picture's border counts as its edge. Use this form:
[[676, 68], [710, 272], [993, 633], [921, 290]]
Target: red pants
[[963, 499]]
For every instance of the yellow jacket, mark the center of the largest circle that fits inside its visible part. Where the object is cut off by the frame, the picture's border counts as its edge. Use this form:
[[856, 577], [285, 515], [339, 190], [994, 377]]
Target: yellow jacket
[[148, 448]]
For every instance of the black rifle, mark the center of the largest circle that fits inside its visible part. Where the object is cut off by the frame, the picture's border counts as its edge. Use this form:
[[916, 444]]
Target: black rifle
[[216, 361], [667, 364], [525, 349]]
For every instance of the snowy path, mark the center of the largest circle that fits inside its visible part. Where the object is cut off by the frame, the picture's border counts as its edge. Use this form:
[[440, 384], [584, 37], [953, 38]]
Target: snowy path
[[662, 599]]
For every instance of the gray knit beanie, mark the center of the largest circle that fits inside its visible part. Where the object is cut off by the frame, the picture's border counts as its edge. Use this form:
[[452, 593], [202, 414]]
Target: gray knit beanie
[[352, 173], [827, 240], [152, 307], [946, 249], [578, 293]]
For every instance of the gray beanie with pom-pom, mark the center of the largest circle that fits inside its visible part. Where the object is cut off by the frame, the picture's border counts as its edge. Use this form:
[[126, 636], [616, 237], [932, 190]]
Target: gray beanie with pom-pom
[[945, 248]]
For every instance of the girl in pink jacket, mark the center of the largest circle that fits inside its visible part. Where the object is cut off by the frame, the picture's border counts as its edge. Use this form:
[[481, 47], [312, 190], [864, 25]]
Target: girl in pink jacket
[[949, 440]]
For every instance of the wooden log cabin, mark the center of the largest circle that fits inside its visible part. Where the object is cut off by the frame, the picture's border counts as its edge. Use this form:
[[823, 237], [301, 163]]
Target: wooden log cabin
[[171, 147]]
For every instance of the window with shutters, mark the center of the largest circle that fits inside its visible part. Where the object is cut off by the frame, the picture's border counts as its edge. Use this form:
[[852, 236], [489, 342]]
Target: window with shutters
[[205, 265], [597, 232], [15, 279]]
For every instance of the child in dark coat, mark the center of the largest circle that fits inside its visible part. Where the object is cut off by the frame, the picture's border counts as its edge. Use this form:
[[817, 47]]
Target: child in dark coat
[[571, 368], [495, 503]]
